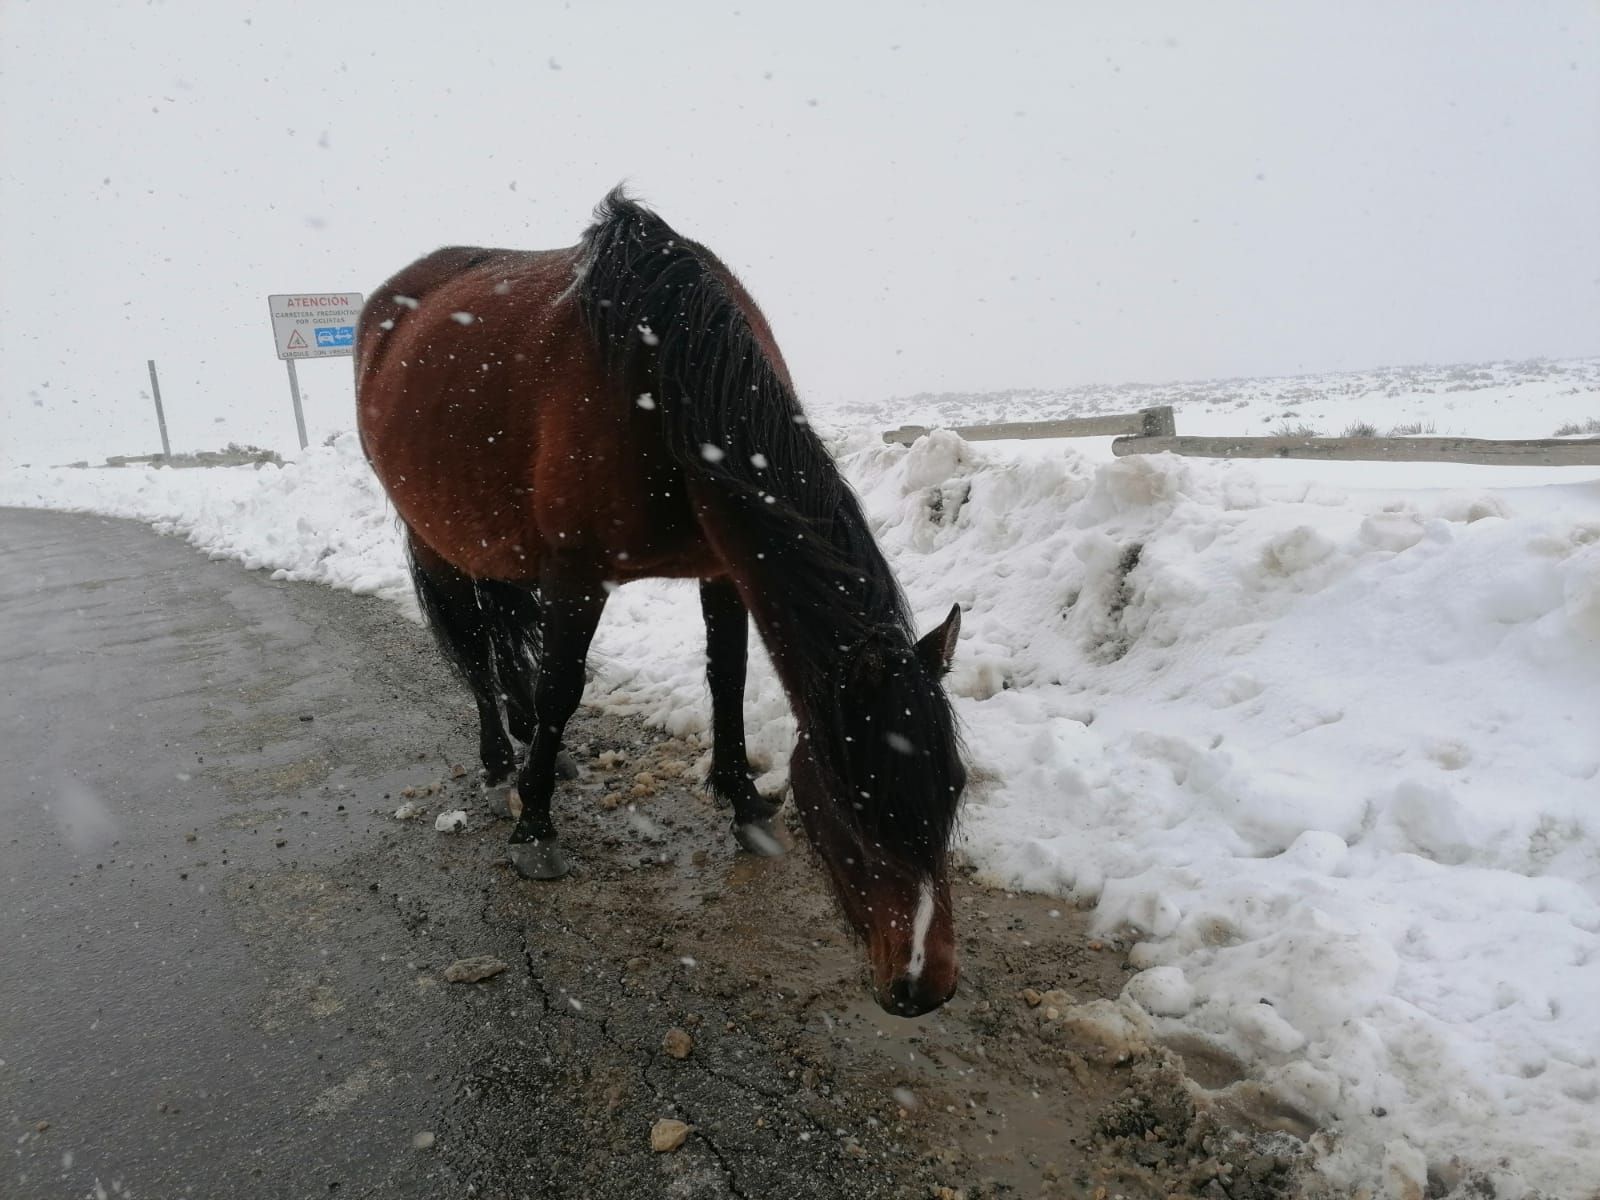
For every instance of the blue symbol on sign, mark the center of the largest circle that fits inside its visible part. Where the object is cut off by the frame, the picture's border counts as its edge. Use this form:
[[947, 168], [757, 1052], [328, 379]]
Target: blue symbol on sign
[[339, 335]]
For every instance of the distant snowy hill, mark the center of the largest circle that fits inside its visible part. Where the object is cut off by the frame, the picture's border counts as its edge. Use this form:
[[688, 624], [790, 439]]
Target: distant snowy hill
[[1502, 399]]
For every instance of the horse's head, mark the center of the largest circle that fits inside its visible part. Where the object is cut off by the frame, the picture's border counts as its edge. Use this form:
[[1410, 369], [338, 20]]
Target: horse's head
[[877, 778]]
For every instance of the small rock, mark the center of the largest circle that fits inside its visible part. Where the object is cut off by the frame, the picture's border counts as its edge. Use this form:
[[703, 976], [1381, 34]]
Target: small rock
[[677, 1043], [1052, 1013], [458, 772], [450, 822], [667, 1134], [41, 1126], [191, 837], [423, 1140], [1097, 944], [408, 811], [1032, 996], [475, 969]]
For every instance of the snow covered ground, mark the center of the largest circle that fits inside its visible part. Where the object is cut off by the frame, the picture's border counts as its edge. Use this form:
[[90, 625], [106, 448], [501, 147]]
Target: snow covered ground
[[1325, 737]]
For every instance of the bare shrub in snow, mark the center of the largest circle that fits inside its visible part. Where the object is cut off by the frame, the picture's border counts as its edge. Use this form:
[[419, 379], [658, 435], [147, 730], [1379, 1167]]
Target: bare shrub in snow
[[1591, 427]]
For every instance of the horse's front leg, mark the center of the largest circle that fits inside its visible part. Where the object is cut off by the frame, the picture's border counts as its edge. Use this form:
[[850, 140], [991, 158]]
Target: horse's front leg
[[727, 646], [574, 601]]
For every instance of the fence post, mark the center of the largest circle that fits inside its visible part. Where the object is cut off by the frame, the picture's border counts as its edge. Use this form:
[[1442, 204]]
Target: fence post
[[161, 417], [1158, 422]]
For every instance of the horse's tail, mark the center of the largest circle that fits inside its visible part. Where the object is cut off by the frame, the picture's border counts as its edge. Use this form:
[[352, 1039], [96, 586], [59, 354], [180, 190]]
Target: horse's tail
[[489, 632], [673, 328]]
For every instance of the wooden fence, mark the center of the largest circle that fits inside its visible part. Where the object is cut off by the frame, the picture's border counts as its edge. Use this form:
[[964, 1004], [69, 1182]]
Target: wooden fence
[[1154, 431], [1522, 452], [1146, 423]]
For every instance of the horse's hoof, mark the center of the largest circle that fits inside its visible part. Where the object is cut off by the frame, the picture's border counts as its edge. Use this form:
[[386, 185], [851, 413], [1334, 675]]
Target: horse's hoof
[[759, 838], [566, 767], [538, 860], [498, 798]]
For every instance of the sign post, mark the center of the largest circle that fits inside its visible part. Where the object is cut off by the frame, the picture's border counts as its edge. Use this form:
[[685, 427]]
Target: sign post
[[161, 417], [294, 395], [312, 325]]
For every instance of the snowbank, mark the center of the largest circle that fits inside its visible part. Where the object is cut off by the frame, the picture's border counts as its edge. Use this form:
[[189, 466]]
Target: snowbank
[[1330, 752], [322, 518]]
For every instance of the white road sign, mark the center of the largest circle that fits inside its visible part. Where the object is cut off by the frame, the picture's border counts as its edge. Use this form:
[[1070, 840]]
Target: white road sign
[[315, 325]]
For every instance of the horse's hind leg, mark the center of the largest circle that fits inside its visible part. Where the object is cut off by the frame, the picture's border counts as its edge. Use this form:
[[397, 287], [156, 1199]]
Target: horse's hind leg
[[450, 603], [727, 648], [572, 608], [514, 632]]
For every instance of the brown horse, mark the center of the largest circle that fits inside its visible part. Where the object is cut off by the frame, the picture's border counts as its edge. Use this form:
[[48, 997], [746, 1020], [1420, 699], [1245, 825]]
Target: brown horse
[[552, 424]]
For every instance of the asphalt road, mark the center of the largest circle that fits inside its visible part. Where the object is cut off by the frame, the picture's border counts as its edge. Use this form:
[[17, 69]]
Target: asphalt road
[[224, 956]]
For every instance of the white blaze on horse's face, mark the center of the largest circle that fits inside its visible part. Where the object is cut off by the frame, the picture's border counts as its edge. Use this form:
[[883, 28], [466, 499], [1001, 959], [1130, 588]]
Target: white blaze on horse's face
[[920, 924], [911, 943]]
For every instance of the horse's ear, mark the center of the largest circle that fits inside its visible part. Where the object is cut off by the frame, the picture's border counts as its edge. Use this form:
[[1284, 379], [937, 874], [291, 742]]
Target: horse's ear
[[937, 647]]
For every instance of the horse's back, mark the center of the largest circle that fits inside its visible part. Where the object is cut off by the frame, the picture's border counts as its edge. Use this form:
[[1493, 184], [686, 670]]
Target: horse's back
[[410, 310], [487, 415]]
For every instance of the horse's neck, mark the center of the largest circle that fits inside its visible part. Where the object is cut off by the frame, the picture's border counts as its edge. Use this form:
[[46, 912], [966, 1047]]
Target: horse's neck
[[808, 637]]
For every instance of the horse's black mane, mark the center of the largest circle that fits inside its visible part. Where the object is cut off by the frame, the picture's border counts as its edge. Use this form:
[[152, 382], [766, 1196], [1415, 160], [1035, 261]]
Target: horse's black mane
[[662, 311]]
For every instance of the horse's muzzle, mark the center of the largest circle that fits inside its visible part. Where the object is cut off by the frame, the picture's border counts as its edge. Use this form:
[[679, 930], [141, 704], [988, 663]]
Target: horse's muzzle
[[908, 997]]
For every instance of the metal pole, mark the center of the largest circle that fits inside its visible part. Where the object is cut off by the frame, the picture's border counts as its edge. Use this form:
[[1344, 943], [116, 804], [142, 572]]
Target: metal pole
[[294, 391], [161, 417]]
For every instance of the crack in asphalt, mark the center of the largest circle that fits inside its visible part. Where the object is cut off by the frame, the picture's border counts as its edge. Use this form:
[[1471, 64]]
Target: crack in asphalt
[[630, 1053]]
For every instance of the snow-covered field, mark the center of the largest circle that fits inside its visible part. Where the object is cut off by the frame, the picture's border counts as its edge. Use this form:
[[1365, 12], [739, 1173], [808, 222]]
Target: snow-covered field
[[1325, 737], [1493, 400]]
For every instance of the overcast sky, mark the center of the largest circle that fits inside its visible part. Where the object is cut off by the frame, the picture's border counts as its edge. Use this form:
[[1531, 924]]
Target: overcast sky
[[921, 196]]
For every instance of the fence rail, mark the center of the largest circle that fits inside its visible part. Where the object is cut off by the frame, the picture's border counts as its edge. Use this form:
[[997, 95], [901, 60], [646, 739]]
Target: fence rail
[[1146, 423], [1530, 452], [1154, 431]]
